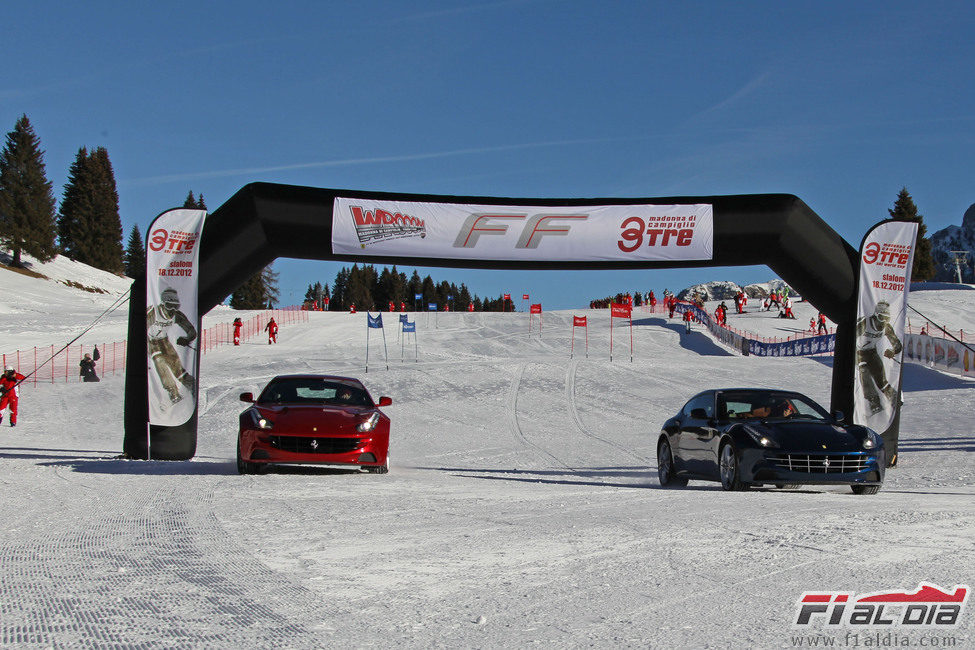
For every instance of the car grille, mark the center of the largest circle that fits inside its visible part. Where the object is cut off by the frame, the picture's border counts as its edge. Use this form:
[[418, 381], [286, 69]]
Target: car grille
[[306, 445], [820, 463]]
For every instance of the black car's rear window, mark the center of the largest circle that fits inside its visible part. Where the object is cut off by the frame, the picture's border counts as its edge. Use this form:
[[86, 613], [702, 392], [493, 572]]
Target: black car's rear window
[[293, 390]]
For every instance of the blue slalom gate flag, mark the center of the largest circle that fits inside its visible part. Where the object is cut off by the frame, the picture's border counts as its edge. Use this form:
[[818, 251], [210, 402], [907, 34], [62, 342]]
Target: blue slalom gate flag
[[409, 327], [376, 321], [417, 296], [403, 318], [431, 306]]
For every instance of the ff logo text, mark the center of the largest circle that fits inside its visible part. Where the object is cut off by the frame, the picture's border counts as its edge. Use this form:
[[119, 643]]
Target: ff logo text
[[635, 230], [928, 606]]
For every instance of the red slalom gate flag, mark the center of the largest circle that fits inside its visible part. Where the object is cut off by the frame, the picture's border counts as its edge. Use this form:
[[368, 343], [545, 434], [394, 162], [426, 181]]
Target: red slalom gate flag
[[579, 321], [618, 310], [524, 296], [507, 296], [532, 310]]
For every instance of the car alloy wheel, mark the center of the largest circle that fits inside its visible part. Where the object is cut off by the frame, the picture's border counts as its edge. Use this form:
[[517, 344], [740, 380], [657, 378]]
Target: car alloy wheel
[[730, 476], [665, 466]]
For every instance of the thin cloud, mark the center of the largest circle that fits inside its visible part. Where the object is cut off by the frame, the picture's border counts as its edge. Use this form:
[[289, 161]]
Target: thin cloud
[[734, 98], [251, 171]]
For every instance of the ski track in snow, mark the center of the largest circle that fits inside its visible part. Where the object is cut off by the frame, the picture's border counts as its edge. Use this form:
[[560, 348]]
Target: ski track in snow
[[570, 395]]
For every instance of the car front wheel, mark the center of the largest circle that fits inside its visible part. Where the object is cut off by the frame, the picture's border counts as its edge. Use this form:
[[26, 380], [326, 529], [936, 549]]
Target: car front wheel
[[730, 471], [665, 467], [380, 469], [865, 489], [243, 467]]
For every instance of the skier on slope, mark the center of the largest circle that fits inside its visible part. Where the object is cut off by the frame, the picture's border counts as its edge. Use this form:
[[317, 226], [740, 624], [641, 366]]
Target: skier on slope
[[8, 392], [159, 321], [238, 325], [272, 331]]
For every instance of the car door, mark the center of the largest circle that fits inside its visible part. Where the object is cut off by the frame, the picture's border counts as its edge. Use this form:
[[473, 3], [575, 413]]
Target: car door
[[696, 433]]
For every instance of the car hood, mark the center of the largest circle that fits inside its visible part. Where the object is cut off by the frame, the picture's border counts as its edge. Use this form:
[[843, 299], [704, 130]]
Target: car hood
[[808, 436], [316, 419]]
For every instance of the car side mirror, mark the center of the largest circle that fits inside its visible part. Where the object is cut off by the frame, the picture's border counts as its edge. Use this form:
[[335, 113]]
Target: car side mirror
[[247, 397], [385, 401], [699, 414], [839, 416]]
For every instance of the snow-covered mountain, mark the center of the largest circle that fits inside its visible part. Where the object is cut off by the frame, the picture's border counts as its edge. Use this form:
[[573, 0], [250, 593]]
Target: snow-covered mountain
[[955, 238], [719, 290], [723, 290]]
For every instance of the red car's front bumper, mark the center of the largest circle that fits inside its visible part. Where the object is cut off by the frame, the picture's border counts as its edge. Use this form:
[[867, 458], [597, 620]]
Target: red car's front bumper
[[364, 449]]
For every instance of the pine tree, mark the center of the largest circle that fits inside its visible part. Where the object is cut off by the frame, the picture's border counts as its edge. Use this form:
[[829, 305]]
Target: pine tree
[[107, 254], [89, 226], [135, 254], [194, 203], [905, 210], [260, 291], [75, 227], [269, 285], [27, 222]]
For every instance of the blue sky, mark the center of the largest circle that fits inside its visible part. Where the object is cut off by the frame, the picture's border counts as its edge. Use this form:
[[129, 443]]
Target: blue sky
[[839, 103]]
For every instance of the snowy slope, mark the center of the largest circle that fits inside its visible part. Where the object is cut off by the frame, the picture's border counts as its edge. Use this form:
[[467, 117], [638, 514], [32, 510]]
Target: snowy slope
[[522, 507]]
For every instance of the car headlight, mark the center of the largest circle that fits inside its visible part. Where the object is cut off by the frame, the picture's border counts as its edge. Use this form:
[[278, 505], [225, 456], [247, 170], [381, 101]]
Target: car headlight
[[260, 422], [759, 437], [369, 424], [872, 441]]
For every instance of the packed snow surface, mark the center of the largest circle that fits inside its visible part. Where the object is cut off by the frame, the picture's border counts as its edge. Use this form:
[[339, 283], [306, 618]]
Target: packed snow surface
[[522, 507]]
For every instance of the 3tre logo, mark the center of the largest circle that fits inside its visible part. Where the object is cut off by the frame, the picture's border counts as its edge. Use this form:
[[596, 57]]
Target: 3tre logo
[[887, 255], [657, 231], [176, 241]]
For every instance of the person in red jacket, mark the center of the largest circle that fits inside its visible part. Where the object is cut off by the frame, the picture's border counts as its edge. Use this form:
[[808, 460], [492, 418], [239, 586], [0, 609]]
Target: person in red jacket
[[272, 331], [8, 389], [238, 325]]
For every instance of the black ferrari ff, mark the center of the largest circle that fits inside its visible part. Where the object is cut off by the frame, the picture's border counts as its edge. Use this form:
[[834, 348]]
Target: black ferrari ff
[[746, 436]]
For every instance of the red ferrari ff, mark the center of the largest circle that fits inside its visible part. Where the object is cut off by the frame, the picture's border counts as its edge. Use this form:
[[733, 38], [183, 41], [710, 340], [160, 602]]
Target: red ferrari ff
[[313, 420]]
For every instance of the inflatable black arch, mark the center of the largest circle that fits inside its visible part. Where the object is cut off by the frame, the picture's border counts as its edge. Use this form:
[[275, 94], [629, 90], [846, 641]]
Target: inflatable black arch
[[265, 221]]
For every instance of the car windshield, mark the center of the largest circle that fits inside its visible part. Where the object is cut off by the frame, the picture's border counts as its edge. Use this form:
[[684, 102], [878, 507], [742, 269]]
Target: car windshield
[[312, 391], [762, 405]]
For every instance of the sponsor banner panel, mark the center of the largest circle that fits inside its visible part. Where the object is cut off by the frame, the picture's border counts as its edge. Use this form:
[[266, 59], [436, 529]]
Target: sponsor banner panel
[[886, 256], [531, 233], [943, 354], [172, 254], [798, 348]]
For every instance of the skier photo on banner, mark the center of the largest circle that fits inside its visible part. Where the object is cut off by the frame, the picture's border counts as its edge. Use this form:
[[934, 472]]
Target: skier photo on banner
[[160, 321], [873, 368]]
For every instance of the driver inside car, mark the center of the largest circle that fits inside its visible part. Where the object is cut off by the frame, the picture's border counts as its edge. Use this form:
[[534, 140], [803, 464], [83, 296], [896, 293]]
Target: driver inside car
[[784, 409]]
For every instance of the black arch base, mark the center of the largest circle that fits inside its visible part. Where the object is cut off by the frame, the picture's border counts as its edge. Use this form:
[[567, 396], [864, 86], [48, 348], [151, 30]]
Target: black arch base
[[264, 221]]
